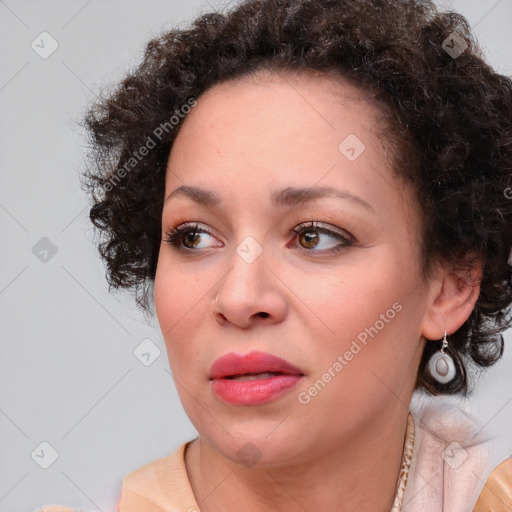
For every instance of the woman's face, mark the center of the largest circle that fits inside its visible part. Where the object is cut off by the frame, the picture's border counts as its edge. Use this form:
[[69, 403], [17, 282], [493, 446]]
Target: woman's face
[[343, 300]]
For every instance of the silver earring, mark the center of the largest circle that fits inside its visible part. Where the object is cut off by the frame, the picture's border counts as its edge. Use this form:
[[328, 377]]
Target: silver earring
[[441, 365]]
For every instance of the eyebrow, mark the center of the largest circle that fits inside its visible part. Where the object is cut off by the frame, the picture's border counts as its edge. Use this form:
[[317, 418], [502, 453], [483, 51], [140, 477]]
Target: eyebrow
[[289, 196]]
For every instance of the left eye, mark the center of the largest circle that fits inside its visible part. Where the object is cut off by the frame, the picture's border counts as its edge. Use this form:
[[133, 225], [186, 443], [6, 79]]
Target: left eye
[[310, 233]]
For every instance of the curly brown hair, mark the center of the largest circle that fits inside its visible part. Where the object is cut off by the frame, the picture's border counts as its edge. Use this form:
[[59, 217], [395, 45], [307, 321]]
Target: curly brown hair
[[449, 116]]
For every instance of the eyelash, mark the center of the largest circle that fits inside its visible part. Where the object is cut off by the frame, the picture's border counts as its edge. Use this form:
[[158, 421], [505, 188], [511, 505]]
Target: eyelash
[[173, 236]]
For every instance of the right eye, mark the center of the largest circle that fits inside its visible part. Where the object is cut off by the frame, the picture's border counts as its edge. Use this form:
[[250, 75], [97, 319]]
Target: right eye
[[185, 237]]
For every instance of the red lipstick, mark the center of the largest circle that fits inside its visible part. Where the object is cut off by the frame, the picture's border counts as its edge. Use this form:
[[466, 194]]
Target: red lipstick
[[253, 378]]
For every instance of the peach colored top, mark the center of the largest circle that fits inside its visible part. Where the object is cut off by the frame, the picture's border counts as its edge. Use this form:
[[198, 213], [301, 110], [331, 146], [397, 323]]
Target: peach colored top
[[163, 485]]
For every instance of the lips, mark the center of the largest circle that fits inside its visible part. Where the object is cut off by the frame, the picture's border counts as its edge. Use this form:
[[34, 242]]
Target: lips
[[253, 363], [252, 379]]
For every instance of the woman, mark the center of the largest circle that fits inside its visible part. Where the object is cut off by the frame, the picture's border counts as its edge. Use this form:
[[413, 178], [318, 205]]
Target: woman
[[316, 194]]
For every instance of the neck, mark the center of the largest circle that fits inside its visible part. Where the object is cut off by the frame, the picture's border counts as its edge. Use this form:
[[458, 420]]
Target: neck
[[359, 474]]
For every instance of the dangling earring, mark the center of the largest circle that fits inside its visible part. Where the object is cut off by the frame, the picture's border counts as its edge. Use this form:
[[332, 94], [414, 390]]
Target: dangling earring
[[441, 365]]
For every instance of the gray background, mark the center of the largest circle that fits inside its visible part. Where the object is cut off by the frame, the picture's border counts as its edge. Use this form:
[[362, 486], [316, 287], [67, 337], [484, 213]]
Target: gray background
[[69, 376]]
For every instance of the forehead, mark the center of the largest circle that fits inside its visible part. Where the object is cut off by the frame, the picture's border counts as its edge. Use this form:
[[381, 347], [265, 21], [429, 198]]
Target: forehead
[[286, 114], [310, 93]]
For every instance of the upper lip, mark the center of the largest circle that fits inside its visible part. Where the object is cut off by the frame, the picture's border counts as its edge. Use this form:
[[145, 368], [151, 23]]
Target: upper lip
[[253, 362]]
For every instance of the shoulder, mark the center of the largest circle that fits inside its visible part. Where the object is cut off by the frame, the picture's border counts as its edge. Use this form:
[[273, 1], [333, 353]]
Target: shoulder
[[159, 486], [497, 492], [458, 462], [156, 470]]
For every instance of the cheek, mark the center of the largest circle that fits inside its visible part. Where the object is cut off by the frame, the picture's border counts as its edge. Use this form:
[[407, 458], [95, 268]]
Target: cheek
[[367, 316], [376, 333], [178, 307], [355, 298], [176, 291]]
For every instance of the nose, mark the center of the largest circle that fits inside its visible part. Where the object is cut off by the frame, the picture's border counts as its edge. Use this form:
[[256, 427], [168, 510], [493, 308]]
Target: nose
[[250, 293]]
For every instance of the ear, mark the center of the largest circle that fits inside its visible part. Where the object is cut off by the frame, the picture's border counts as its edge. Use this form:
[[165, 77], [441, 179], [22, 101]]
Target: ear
[[452, 297]]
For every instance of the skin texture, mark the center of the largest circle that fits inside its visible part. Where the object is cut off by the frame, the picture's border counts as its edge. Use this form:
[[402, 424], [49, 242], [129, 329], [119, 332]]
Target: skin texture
[[342, 450]]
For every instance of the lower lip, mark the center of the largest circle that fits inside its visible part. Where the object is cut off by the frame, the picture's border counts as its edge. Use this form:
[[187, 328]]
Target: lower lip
[[254, 392]]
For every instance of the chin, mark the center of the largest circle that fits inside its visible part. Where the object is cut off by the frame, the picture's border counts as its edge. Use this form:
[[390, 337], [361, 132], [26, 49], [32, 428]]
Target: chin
[[256, 446]]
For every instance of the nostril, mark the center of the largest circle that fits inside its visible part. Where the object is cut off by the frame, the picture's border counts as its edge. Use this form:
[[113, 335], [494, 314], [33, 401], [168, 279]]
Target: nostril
[[263, 314]]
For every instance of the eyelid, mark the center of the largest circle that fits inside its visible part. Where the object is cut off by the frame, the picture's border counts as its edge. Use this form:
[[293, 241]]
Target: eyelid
[[178, 229], [312, 224]]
